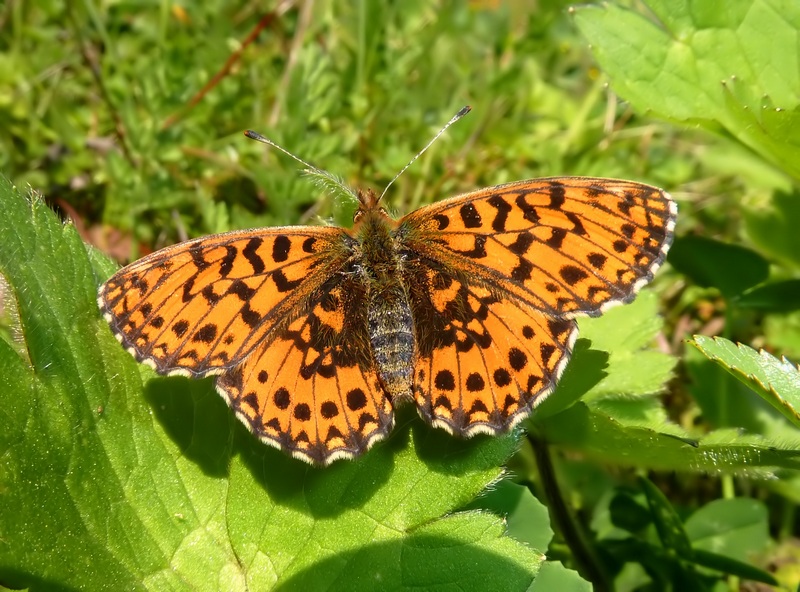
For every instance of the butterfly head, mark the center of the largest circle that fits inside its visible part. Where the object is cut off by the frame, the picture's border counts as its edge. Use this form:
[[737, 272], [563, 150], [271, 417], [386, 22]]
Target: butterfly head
[[368, 202]]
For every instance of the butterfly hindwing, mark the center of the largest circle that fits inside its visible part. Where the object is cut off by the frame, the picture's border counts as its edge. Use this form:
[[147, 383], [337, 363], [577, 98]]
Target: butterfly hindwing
[[483, 361], [311, 387]]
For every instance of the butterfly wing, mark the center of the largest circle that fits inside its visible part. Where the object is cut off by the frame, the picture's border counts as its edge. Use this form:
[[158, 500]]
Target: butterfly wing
[[311, 387], [200, 307], [566, 246], [483, 360], [279, 315], [497, 276]]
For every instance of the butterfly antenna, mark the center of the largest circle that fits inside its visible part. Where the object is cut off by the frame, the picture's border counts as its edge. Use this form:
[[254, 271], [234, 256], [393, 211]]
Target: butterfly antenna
[[461, 113], [327, 180]]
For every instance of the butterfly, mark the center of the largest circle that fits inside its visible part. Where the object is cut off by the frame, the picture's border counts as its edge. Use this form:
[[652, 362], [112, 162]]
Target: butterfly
[[465, 307]]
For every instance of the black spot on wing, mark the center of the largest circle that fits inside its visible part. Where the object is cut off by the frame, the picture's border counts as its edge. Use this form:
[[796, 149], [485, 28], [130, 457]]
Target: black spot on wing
[[226, 263], [572, 275], [280, 248], [470, 216], [283, 283], [308, 244], [503, 208], [250, 252]]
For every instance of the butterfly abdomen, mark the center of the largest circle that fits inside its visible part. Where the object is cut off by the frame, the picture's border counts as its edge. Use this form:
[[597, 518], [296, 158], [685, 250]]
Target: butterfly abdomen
[[392, 340]]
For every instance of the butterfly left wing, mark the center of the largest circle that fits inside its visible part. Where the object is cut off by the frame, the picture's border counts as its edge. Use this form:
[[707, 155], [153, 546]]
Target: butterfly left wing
[[200, 307], [311, 387], [279, 315]]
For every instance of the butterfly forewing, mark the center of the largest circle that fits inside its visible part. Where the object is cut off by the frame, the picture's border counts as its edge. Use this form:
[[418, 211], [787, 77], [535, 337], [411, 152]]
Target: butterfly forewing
[[565, 246], [201, 306]]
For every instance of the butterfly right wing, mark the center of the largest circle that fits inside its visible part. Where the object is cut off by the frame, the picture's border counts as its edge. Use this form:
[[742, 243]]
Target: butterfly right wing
[[497, 277], [484, 360], [567, 246], [200, 307]]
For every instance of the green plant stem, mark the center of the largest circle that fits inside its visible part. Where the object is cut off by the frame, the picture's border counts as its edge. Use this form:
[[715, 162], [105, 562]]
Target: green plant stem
[[728, 490], [94, 68], [588, 563]]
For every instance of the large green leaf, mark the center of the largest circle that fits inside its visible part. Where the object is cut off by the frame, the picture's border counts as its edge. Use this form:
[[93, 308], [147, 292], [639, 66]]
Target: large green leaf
[[736, 69], [781, 296], [615, 370], [601, 437], [112, 478], [776, 381], [737, 527]]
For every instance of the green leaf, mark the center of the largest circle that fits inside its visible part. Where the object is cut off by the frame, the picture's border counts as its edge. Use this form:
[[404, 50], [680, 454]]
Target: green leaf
[[738, 528], [598, 436], [464, 552], [554, 576], [776, 381], [627, 513], [733, 567], [731, 269], [668, 523], [626, 333], [774, 297], [734, 69], [110, 474], [619, 421], [726, 534], [610, 369], [527, 518], [612, 373], [724, 401], [773, 227]]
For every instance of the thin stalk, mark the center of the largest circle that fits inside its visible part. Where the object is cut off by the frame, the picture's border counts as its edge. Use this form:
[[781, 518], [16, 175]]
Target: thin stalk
[[589, 565]]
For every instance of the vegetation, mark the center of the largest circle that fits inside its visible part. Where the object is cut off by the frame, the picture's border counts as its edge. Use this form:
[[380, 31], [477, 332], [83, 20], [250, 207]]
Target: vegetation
[[666, 459]]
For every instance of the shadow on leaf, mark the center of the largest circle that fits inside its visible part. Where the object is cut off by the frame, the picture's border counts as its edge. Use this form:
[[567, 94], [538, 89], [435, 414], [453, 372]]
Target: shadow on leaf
[[420, 561]]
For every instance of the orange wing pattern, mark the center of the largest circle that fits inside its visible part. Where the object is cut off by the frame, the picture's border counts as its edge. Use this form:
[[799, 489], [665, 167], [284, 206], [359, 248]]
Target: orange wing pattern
[[312, 388], [279, 315], [483, 361], [497, 277], [566, 246], [201, 306]]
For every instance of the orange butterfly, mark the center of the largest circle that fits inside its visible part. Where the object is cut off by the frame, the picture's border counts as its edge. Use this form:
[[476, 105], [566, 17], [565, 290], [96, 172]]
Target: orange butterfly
[[466, 307]]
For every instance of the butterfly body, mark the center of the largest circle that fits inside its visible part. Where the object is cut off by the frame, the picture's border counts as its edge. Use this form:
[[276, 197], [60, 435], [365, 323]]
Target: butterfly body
[[390, 323], [466, 307]]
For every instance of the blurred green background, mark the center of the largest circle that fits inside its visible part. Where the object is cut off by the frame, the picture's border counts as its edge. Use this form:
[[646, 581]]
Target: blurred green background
[[128, 118]]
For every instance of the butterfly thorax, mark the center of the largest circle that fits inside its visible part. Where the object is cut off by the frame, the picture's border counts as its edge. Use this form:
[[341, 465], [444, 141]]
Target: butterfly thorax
[[389, 312]]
